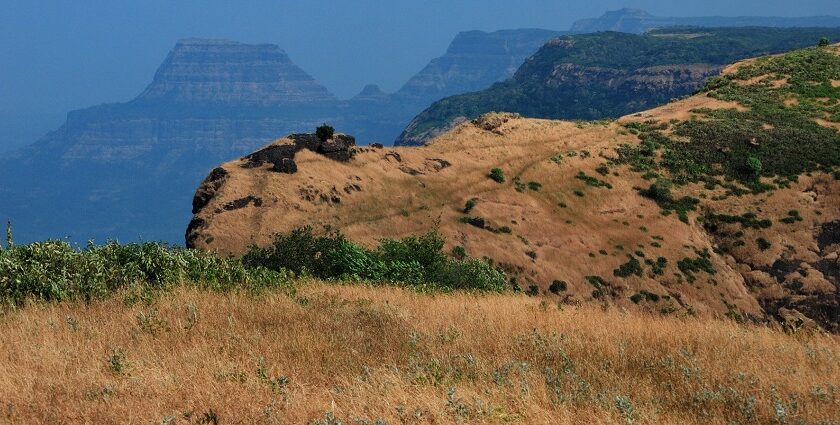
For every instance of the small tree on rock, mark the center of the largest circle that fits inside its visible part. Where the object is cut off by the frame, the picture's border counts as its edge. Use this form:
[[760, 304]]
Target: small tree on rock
[[824, 42], [325, 132]]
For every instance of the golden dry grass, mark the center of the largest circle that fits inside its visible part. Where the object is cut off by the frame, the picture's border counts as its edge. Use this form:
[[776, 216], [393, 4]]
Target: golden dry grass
[[401, 357]]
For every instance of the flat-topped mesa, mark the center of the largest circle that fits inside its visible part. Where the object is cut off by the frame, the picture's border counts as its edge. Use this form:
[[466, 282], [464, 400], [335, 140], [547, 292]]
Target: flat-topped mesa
[[226, 72]]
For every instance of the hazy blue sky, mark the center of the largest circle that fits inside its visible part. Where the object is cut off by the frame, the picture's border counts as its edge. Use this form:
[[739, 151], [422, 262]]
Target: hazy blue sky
[[60, 55]]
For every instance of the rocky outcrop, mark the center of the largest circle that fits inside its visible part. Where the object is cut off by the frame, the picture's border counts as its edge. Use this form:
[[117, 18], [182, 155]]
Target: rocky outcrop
[[281, 154]]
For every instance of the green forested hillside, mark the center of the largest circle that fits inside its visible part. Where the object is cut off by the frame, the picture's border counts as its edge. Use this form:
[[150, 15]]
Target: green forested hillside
[[606, 75]]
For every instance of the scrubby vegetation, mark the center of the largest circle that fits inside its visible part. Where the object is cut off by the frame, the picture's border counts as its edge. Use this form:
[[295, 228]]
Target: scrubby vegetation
[[660, 192], [57, 271], [702, 263], [418, 261]]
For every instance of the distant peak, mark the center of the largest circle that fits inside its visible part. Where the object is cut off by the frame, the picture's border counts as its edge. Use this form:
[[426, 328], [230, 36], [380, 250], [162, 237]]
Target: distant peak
[[370, 92], [371, 89]]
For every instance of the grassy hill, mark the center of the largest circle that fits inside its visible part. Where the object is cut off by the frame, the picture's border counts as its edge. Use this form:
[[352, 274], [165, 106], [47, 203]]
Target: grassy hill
[[723, 203], [610, 74]]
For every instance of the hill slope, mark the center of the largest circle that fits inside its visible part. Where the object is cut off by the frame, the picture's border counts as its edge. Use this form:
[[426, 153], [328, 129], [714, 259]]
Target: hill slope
[[608, 75], [722, 203]]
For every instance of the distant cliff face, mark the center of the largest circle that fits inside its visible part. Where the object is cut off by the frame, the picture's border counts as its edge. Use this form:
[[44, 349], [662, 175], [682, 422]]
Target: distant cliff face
[[609, 74], [638, 21], [474, 61]]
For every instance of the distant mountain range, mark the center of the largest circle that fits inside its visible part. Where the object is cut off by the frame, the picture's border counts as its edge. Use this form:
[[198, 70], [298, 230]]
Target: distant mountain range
[[638, 21], [610, 74], [122, 170]]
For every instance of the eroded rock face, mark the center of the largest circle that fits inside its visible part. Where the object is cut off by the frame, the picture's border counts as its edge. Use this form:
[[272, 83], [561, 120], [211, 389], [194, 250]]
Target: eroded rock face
[[208, 189]]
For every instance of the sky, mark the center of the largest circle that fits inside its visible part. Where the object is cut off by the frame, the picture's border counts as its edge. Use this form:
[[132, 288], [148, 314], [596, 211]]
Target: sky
[[57, 56]]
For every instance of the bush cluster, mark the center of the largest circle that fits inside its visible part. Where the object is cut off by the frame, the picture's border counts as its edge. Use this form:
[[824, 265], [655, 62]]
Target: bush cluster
[[56, 271], [418, 261]]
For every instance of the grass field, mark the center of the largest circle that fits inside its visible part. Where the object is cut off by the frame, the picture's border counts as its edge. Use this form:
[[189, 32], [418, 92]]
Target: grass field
[[331, 353]]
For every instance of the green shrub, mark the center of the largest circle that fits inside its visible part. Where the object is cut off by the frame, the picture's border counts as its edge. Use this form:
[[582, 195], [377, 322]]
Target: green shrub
[[324, 132], [690, 266], [660, 192], [459, 252], [592, 181], [754, 166], [793, 216], [413, 260], [535, 186], [470, 204], [644, 295], [497, 175], [763, 244], [558, 286], [824, 42], [631, 267], [474, 221]]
